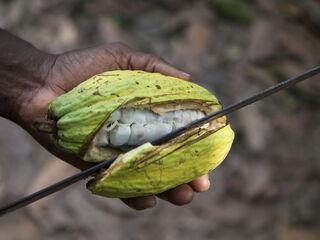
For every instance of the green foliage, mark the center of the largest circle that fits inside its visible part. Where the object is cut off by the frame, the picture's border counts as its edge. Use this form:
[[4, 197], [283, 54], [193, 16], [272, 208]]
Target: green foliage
[[240, 11]]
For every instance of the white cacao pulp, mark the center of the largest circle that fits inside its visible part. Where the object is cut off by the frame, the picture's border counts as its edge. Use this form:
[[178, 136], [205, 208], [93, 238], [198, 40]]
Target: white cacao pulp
[[133, 127]]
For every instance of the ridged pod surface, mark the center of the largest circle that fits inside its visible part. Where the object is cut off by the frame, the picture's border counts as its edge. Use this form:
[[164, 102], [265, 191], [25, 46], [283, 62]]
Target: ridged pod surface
[[152, 169], [147, 169]]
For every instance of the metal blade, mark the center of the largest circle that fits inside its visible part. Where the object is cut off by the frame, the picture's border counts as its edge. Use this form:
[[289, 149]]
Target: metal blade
[[104, 165]]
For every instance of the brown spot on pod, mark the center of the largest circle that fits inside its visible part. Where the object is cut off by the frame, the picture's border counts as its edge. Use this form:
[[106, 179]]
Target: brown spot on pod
[[115, 94], [96, 93]]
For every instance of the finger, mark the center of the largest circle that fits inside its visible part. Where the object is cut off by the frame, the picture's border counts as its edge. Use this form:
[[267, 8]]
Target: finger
[[141, 203], [79, 65], [200, 184], [153, 63], [128, 58], [180, 195]]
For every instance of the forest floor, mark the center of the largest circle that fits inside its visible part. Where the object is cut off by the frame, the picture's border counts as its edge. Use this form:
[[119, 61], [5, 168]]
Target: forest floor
[[269, 185]]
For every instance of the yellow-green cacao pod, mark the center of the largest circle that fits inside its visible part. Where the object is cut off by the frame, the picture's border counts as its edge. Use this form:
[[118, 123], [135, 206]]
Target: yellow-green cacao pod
[[83, 113]]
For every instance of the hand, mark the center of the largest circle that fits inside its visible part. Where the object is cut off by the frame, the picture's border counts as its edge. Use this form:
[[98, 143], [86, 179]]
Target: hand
[[54, 75]]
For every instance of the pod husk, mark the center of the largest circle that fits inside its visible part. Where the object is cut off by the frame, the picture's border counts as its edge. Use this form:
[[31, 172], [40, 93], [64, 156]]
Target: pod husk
[[147, 169]]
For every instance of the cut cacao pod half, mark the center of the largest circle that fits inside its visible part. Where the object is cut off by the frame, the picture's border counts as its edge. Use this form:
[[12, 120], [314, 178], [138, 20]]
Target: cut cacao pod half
[[119, 110]]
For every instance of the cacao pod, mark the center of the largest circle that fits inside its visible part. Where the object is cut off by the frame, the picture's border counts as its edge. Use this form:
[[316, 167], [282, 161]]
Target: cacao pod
[[101, 117]]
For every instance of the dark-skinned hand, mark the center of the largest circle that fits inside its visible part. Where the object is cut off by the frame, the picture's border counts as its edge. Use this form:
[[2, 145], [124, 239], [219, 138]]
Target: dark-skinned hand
[[30, 79]]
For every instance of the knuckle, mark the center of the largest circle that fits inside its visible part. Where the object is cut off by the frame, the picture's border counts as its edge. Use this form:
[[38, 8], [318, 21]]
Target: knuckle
[[155, 57]]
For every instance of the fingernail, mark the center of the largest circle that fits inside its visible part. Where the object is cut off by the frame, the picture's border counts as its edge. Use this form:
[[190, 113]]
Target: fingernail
[[185, 75], [206, 184], [151, 203]]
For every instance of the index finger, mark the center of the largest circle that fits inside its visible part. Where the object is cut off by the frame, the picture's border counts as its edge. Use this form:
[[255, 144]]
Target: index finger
[[153, 63]]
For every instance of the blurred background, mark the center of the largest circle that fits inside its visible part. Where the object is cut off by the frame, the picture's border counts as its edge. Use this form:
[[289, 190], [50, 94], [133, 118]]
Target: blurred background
[[269, 185]]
